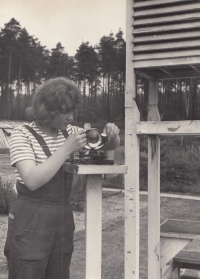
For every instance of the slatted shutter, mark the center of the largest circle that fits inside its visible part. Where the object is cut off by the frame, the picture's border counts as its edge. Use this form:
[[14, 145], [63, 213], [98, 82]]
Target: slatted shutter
[[166, 32]]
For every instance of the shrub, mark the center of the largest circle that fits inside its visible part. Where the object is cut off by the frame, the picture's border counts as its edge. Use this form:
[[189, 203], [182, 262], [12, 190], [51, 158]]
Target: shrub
[[7, 195]]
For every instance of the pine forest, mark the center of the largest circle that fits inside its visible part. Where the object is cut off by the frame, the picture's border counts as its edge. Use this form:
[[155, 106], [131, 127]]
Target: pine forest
[[99, 72]]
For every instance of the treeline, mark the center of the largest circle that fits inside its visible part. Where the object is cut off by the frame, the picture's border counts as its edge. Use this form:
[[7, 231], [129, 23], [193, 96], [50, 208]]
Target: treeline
[[99, 72], [178, 99], [25, 63]]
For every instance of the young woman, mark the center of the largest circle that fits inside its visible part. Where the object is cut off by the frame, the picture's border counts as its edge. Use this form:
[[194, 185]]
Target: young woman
[[40, 233]]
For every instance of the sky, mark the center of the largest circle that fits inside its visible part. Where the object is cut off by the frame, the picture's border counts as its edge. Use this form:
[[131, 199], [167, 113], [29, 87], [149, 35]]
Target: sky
[[70, 22]]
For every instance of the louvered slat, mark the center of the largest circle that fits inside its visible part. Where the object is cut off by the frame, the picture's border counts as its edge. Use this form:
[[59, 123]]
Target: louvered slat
[[150, 3], [168, 46], [166, 28], [162, 37], [156, 55], [165, 62], [169, 10], [167, 19]]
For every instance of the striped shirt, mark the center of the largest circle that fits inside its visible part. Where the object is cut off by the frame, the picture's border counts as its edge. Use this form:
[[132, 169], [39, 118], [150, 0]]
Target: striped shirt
[[24, 146]]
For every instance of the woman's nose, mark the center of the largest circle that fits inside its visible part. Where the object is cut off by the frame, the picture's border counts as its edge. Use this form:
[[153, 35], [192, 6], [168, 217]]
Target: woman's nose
[[70, 117]]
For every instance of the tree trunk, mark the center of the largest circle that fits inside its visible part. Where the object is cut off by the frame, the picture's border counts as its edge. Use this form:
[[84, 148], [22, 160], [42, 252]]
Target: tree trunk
[[84, 89], [108, 99], [7, 105]]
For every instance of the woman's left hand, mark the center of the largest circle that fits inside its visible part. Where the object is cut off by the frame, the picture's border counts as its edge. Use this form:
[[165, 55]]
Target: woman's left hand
[[111, 130]]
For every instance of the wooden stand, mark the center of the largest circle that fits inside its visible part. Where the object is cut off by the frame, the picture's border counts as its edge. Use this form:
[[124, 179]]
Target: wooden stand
[[93, 219]]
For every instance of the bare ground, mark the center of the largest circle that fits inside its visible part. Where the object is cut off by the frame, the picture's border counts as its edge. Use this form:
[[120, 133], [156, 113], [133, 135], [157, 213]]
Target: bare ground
[[113, 234], [113, 229]]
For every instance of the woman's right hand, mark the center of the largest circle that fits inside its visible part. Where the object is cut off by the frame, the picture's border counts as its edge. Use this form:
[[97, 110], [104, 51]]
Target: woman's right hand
[[76, 141]]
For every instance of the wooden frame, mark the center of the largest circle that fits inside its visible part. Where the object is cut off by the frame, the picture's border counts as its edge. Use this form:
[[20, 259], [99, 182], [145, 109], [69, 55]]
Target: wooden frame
[[164, 38], [189, 127], [153, 186], [131, 250]]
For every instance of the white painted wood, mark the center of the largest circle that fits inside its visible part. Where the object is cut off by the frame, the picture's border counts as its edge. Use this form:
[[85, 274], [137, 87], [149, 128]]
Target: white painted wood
[[170, 271], [166, 28], [166, 10], [131, 249], [181, 235], [130, 89], [95, 169], [153, 113], [189, 127], [170, 247], [143, 75], [155, 2], [167, 271], [169, 37], [176, 272], [154, 207], [131, 194], [167, 54], [167, 19], [183, 229], [165, 62], [171, 45], [153, 97], [153, 189], [93, 226]]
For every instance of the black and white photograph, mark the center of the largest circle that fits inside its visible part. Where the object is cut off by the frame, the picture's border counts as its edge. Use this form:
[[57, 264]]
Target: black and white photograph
[[100, 139]]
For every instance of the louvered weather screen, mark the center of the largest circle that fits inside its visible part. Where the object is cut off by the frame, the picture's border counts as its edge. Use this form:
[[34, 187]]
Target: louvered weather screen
[[166, 33]]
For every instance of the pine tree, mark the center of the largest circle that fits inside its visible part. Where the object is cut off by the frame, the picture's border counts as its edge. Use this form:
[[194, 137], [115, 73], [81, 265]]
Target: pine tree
[[8, 45]]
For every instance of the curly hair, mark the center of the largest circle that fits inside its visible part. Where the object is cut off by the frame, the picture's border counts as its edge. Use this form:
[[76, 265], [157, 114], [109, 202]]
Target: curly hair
[[58, 95]]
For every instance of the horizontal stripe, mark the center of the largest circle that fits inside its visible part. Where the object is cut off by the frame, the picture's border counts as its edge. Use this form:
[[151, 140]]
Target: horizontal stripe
[[24, 146]]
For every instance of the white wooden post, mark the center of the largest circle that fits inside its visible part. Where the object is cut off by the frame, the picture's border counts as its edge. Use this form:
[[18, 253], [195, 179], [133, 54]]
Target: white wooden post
[[93, 218], [132, 116], [153, 189], [93, 226]]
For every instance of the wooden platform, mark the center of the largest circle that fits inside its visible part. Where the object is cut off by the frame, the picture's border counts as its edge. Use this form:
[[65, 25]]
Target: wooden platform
[[175, 235], [95, 169], [188, 259], [181, 229]]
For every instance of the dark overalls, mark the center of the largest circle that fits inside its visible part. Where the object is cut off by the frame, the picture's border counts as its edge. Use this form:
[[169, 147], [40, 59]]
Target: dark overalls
[[40, 233]]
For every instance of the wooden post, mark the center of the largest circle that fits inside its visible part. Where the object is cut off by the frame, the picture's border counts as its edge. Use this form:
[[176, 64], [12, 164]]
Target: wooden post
[[153, 189], [132, 116], [93, 219], [93, 226]]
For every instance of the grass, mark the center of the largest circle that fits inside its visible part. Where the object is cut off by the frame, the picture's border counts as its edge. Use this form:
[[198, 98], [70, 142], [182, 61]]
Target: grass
[[113, 235], [113, 228]]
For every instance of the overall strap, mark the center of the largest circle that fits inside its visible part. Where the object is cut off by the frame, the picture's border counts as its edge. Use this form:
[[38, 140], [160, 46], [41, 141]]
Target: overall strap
[[40, 140], [65, 133]]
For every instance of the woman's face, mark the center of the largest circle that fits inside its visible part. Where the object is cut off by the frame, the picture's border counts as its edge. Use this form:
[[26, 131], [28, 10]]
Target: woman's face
[[60, 121]]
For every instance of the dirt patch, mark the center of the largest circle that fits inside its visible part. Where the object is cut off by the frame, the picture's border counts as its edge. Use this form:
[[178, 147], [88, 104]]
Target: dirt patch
[[113, 234]]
